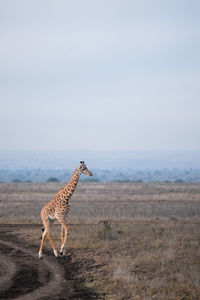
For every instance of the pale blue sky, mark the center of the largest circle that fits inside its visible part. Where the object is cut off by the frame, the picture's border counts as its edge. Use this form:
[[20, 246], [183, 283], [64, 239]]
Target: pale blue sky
[[100, 75]]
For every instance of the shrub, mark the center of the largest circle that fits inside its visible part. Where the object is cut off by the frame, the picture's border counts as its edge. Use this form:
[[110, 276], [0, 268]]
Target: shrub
[[53, 179], [16, 180]]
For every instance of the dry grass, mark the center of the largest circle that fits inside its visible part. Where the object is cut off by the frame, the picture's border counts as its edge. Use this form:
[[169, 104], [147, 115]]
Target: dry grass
[[151, 249], [143, 259], [22, 202]]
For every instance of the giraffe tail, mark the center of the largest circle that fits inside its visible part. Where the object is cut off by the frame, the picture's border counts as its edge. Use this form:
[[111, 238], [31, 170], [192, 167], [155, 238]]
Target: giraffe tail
[[42, 232]]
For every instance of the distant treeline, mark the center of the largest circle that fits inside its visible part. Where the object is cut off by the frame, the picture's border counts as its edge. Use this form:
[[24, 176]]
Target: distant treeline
[[114, 175]]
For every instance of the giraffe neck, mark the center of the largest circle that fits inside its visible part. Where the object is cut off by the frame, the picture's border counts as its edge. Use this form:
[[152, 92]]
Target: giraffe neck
[[72, 183]]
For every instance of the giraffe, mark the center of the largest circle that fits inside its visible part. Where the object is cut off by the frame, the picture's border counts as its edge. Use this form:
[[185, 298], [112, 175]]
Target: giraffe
[[58, 209]]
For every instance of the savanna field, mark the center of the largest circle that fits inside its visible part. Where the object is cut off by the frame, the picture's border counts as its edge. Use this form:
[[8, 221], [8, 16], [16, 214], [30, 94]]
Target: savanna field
[[126, 241]]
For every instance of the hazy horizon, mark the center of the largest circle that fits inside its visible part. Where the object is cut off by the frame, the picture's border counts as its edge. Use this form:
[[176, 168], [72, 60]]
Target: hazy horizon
[[99, 159]]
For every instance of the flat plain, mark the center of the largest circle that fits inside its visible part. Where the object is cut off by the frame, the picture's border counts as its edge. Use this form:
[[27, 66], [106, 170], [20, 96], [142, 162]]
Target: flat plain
[[127, 241]]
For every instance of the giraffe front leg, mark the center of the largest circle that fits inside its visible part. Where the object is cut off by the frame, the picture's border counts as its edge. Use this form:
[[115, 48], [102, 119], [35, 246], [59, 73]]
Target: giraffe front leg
[[62, 239], [62, 234], [66, 231]]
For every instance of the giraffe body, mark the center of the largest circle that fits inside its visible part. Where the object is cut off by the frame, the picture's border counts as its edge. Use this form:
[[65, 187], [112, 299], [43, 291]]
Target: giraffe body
[[58, 209]]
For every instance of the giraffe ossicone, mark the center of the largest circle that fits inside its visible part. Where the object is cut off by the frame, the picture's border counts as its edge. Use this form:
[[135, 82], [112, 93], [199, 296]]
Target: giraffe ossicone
[[58, 209]]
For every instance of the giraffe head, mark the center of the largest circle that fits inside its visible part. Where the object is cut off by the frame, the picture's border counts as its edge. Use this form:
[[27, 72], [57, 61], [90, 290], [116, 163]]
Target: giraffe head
[[82, 169]]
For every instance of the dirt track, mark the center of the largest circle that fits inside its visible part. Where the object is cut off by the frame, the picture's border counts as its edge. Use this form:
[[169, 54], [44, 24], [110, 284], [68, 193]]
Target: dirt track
[[24, 276]]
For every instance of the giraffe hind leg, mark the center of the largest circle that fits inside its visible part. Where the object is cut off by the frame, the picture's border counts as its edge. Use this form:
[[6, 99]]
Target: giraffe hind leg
[[52, 245], [42, 232], [45, 234]]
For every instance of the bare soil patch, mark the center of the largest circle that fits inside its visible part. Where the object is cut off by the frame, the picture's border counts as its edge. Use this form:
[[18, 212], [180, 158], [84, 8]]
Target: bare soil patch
[[24, 276]]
